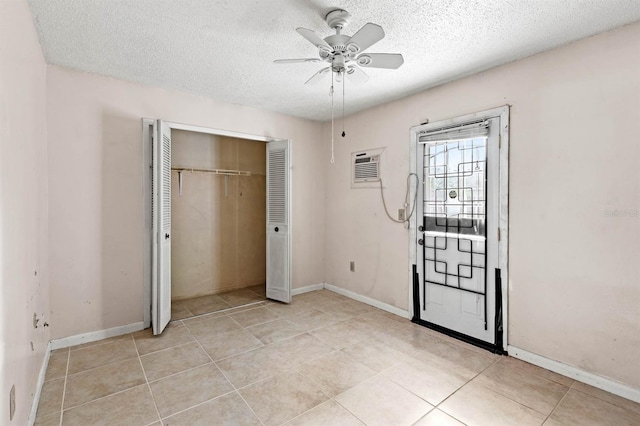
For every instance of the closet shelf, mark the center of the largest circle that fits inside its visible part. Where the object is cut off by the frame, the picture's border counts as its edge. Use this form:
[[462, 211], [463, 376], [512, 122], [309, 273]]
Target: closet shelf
[[215, 171]]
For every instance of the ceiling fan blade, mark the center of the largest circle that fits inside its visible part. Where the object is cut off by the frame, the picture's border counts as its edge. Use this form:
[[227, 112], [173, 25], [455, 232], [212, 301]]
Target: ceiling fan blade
[[295, 61], [318, 76], [380, 60], [313, 38], [356, 75], [366, 37]]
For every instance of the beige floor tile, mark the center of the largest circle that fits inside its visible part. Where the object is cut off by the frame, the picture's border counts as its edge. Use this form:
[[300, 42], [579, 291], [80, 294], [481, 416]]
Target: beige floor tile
[[345, 310], [533, 369], [233, 343], [174, 360], [173, 335], [322, 297], [204, 304], [437, 418], [131, 408], [460, 359], [100, 342], [97, 356], [477, 405], [59, 351], [51, 397], [329, 413], [99, 382], [213, 327], [374, 321], [296, 307], [528, 389], [254, 316], [339, 335], [375, 355], [226, 410], [313, 320], [186, 389], [608, 397], [179, 313], [429, 382], [249, 367], [299, 349], [203, 317], [379, 401], [335, 372], [282, 397], [578, 408], [260, 290], [275, 330], [57, 366], [240, 297], [247, 307], [50, 420]]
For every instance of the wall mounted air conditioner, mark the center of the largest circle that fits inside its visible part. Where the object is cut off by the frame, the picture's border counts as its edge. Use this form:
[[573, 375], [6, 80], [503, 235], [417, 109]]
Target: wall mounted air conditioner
[[366, 167]]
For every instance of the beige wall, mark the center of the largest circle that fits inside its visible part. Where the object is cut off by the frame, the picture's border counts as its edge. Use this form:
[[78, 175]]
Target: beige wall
[[218, 237], [574, 288], [24, 275], [96, 200]]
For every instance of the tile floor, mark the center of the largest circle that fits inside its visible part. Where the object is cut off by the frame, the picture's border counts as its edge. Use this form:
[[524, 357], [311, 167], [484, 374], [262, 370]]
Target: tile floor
[[323, 360], [186, 308]]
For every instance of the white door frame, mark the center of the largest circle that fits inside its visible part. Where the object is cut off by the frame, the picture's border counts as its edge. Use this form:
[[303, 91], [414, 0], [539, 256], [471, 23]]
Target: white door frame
[[503, 222], [147, 128]]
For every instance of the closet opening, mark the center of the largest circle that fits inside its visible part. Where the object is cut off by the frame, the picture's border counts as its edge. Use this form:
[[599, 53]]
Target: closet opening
[[217, 212]]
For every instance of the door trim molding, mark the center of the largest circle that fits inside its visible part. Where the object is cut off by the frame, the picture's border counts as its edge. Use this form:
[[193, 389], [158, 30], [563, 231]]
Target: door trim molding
[[148, 123], [503, 221]]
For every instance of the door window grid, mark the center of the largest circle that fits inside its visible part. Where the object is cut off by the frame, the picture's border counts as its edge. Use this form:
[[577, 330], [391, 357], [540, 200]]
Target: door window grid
[[454, 221]]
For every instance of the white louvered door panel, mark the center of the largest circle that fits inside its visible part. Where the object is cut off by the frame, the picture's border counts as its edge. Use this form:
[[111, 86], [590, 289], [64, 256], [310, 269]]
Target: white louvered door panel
[[161, 205], [278, 221]]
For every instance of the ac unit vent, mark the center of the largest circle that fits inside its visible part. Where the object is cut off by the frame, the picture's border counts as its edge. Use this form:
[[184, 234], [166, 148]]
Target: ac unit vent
[[366, 168]]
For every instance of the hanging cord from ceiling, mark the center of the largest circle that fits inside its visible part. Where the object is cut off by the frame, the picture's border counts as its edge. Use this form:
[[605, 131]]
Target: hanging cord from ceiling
[[343, 132], [406, 199], [331, 94]]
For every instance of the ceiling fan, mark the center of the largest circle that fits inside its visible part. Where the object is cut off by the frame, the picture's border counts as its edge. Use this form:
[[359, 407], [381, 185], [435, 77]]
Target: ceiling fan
[[344, 53]]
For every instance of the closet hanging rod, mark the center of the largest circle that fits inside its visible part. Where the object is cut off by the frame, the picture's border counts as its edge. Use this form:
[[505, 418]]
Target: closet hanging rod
[[214, 171]]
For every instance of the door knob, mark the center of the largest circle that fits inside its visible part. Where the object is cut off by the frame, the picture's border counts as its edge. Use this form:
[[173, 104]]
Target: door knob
[[277, 229]]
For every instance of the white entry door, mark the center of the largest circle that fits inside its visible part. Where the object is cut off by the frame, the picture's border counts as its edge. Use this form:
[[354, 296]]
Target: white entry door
[[278, 221], [458, 238], [161, 211]]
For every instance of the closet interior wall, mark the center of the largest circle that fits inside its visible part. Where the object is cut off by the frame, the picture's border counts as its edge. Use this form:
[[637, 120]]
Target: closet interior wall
[[218, 223]]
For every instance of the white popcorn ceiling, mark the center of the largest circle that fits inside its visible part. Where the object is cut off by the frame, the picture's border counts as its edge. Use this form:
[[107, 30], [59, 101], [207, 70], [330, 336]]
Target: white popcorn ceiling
[[224, 49]]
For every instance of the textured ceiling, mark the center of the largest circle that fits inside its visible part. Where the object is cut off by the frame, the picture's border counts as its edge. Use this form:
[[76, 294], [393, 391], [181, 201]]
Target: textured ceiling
[[225, 49]]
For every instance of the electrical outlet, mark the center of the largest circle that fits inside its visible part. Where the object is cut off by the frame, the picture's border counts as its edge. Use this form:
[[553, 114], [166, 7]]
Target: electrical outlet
[[401, 214], [352, 266], [12, 402]]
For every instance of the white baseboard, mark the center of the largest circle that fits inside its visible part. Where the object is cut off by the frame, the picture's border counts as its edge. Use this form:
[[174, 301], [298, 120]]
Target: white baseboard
[[609, 385], [39, 384], [93, 336], [369, 301], [307, 289]]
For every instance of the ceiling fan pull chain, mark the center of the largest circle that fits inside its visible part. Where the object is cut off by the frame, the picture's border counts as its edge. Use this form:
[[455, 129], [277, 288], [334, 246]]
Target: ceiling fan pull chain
[[343, 133], [331, 94]]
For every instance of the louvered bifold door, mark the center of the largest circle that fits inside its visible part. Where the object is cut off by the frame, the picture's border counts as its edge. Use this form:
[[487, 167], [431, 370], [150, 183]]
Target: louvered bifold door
[[278, 221], [161, 206]]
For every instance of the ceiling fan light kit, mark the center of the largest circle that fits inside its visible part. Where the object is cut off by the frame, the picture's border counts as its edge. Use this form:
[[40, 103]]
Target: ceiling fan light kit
[[344, 55]]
